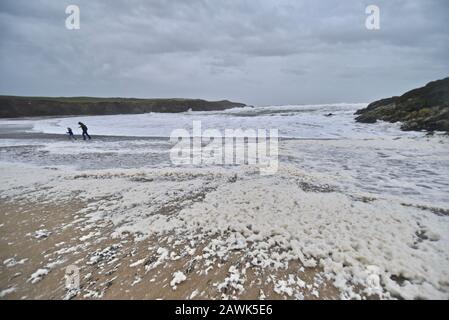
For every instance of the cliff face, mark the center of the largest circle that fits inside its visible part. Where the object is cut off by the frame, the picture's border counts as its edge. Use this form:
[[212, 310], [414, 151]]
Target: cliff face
[[14, 107], [426, 108]]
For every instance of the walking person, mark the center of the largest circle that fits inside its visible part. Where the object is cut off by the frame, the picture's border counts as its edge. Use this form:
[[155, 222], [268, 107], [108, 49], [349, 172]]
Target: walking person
[[70, 133], [84, 128]]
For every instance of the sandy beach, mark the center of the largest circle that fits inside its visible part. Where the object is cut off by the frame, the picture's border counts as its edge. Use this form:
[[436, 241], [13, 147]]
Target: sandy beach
[[334, 222], [123, 267]]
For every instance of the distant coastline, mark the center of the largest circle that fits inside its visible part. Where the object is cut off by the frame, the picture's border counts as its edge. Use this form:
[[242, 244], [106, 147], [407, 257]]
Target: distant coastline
[[19, 106]]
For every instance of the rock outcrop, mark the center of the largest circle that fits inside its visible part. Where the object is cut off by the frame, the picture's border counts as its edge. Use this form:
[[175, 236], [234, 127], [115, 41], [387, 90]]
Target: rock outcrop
[[426, 108]]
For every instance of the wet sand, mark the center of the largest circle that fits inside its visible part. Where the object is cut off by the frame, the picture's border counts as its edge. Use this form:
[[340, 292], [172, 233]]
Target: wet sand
[[69, 242], [332, 223]]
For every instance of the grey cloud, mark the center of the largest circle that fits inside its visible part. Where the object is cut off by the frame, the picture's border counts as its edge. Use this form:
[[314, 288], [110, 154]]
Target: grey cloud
[[259, 52]]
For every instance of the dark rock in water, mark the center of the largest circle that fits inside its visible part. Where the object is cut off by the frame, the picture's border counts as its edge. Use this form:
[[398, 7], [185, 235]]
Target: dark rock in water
[[233, 179], [329, 115], [426, 108]]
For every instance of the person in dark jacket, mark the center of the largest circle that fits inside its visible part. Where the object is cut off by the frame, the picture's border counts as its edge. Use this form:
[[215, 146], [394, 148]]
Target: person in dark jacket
[[84, 128], [70, 133]]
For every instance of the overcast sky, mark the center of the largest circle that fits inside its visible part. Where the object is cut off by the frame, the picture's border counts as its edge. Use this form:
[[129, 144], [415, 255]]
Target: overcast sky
[[258, 52]]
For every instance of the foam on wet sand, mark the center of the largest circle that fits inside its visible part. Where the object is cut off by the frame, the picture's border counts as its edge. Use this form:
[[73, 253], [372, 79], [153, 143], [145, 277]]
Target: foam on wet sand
[[365, 244]]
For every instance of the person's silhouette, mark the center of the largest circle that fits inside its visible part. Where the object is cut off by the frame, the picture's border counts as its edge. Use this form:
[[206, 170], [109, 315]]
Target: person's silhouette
[[84, 128], [70, 133]]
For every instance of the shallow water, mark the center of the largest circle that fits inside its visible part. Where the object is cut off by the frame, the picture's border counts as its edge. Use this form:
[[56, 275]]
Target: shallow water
[[379, 159], [306, 122], [362, 200]]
